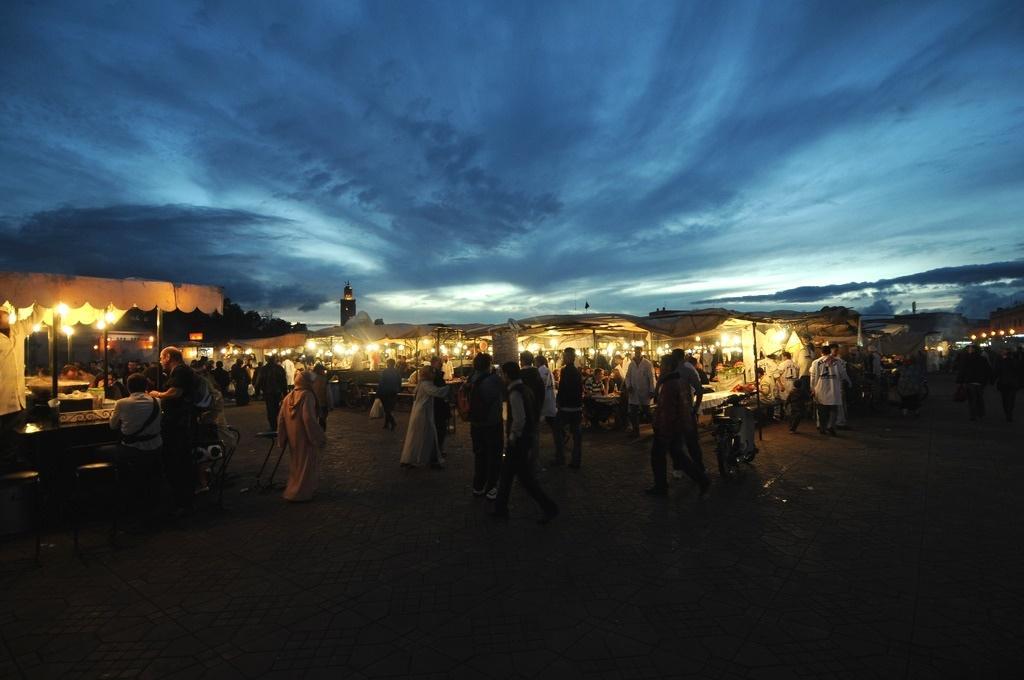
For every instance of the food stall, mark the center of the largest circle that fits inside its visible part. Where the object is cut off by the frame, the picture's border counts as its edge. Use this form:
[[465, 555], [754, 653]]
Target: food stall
[[361, 345], [287, 344], [733, 345], [52, 303]]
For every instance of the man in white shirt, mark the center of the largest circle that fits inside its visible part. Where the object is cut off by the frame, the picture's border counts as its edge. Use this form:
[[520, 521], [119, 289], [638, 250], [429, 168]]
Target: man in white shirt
[[289, 372], [12, 381], [786, 374], [640, 385], [827, 387]]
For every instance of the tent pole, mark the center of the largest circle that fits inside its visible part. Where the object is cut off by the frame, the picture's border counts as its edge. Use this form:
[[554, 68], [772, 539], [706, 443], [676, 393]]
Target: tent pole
[[593, 332], [757, 388], [106, 361], [55, 320], [107, 364], [159, 344]]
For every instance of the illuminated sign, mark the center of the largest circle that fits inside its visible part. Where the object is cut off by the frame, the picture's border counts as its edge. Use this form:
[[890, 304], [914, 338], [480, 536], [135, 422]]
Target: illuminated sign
[[195, 336]]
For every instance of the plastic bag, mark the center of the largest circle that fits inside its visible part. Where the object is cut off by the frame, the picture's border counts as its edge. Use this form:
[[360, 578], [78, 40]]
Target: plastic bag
[[377, 410]]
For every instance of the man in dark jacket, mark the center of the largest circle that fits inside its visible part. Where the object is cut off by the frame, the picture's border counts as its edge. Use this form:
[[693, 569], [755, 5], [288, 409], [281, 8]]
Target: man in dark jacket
[[523, 419], [975, 373], [1007, 374], [486, 396], [221, 377], [177, 425], [388, 387], [569, 401], [273, 384], [532, 380], [240, 377]]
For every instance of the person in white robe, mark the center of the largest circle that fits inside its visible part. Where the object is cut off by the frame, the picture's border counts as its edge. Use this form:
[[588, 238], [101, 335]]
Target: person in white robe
[[640, 385], [805, 356], [827, 387], [421, 446], [844, 380]]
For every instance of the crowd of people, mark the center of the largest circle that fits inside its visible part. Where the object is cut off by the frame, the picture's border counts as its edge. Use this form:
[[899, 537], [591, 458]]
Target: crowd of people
[[978, 368], [163, 409]]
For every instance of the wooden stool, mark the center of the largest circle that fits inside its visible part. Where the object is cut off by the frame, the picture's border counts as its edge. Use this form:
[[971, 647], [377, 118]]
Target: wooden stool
[[90, 478]]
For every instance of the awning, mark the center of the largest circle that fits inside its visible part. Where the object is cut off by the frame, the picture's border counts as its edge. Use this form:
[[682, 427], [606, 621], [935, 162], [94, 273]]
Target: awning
[[285, 341], [88, 298]]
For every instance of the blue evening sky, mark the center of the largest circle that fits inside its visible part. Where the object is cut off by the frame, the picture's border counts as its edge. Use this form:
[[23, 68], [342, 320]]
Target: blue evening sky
[[483, 160]]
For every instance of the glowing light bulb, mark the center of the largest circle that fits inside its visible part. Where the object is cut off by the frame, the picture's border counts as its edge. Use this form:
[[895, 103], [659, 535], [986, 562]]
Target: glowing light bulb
[[62, 309], [67, 330]]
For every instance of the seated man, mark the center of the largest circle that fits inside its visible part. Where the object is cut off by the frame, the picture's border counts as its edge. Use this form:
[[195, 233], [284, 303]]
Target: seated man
[[594, 384], [137, 454]]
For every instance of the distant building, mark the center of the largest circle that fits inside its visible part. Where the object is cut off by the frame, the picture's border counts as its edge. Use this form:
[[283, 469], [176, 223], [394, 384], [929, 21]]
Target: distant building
[[1006, 319], [348, 304]]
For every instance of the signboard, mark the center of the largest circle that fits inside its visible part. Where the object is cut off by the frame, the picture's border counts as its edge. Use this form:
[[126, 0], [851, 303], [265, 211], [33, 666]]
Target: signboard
[[195, 336]]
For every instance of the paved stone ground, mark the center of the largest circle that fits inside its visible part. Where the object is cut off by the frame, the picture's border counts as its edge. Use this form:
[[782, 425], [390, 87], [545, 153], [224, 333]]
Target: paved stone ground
[[894, 551]]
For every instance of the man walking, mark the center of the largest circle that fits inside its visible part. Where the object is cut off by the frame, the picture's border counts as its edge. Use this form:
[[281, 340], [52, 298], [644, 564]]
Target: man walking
[[672, 422], [975, 374], [289, 374], [693, 391], [522, 423], [221, 377], [387, 389], [569, 402], [486, 396], [273, 385], [530, 375]]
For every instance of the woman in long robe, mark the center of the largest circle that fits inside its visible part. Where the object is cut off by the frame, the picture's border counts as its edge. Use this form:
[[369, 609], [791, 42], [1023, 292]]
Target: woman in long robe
[[421, 445], [297, 428]]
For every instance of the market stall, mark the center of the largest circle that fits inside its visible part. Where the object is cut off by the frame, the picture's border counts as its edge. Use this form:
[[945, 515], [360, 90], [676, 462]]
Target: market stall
[[55, 303], [361, 345], [287, 344]]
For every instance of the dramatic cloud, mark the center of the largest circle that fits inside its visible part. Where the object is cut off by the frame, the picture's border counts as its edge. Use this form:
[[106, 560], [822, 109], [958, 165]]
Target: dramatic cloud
[[967, 275], [485, 160]]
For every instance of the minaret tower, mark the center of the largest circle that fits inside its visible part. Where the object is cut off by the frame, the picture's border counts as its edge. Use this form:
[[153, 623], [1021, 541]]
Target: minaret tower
[[348, 304]]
